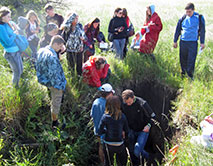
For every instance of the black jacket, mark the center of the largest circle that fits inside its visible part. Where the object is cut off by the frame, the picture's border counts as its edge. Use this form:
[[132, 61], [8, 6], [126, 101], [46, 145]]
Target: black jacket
[[115, 24], [113, 128], [138, 115]]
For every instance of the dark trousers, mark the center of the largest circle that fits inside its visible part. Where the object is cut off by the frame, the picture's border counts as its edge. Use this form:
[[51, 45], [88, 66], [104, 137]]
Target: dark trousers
[[188, 53], [33, 46], [121, 155], [75, 61], [88, 52]]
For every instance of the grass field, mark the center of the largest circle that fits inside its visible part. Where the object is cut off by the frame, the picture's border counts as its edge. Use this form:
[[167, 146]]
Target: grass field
[[25, 116]]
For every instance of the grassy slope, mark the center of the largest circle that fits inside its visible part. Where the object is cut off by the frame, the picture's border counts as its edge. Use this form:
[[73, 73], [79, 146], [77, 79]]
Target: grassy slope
[[26, 109]]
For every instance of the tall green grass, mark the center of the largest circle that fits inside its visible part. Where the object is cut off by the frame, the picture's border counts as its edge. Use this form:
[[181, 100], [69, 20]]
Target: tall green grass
[[25, 112]]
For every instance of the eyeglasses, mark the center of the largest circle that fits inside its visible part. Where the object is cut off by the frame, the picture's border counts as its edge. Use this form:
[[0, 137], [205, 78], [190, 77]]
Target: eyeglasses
[[120, 12]]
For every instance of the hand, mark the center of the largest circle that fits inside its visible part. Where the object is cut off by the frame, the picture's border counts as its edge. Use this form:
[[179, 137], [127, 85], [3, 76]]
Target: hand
[[102, 42], [175, 45], [120, 29], [82, 38], [63, 48], [146, 129], [91, 46], [202, 46], [151, 23], [123, 134]]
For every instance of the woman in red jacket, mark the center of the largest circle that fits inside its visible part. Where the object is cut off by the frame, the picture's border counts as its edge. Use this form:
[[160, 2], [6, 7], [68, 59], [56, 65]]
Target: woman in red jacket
[[150, 31], [95, 71]]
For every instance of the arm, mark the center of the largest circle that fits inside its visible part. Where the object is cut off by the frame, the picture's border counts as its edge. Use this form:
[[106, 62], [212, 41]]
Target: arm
[[93, 114], [102, 124], [8, 40], [105, 70], [61, 20], [86, 42], [156, 26], [177, 31], [202, 31], [126, 128], [111, 28]]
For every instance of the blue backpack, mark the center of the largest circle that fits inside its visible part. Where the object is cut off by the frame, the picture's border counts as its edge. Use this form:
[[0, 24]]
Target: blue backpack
[[21, 42]]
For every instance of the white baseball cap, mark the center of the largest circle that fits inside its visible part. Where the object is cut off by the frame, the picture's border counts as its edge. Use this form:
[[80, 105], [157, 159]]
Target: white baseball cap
[[107, 88]]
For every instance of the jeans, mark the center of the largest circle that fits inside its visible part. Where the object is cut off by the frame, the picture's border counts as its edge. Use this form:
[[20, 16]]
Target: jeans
[[119, 45], [137, 142], [121, 155], [15, 61], [88, 52], [33, 46], [75, 61], [188, 53]]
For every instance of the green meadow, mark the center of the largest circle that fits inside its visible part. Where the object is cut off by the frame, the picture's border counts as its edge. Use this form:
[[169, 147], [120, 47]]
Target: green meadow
[[26, 137]]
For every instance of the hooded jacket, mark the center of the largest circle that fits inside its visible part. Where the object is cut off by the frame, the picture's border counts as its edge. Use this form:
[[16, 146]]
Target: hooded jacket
[[91, 75], [72, 38], [7, 38], [151, 33]]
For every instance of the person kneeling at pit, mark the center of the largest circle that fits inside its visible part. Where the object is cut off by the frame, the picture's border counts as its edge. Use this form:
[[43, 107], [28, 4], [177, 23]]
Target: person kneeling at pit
[[96, 71], [50, 74]]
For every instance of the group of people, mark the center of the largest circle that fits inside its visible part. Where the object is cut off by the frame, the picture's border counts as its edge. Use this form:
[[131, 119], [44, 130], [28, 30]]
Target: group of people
[[115, 122], [120, 124]]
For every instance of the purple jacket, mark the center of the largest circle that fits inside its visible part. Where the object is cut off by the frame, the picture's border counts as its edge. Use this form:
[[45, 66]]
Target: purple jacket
[[91, 35]]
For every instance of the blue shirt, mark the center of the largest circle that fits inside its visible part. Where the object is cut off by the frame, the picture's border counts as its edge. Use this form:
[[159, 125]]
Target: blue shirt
[[7, 38], [49, 70], [189, 29], [97, 111]]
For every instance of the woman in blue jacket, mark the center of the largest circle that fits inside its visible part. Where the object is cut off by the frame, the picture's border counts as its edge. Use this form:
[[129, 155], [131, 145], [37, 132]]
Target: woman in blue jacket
[[115, 127], [7, 40]]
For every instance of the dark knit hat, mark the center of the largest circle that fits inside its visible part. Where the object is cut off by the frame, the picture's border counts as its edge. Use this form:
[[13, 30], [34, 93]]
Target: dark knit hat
[[50, 26]]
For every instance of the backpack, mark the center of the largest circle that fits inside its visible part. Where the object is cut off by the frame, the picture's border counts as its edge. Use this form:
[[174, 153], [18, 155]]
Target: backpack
[[200, 22]]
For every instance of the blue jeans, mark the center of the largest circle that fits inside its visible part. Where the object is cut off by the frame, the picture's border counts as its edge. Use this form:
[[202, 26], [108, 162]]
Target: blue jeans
[[15, 61], [33, 46], [137, 142], [119, 45], [188, 54]]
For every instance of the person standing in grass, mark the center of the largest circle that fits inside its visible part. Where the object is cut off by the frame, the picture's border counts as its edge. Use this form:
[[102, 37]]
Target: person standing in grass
[[92, 31], [97, 111], [138, 114], [32, 31], [50, 30], [75, 37], [191, 26], [50, 74], [115, 127], [53, 17], [7, 40], [150, 31], [118, 28]]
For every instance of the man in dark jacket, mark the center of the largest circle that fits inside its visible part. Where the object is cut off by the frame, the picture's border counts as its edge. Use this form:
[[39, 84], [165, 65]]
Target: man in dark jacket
[[190, 27], [138, 114]]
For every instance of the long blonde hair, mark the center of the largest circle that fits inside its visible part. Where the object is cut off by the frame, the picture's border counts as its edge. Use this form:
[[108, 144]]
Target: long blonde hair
[[113, 107], [33, 13]]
